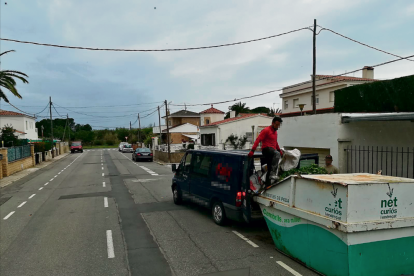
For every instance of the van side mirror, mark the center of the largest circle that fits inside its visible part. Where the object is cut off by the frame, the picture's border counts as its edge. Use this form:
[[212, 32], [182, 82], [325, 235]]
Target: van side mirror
[[174, 167]]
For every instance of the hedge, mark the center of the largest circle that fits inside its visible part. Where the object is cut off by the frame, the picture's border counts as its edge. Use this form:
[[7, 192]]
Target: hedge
[[396, 95]]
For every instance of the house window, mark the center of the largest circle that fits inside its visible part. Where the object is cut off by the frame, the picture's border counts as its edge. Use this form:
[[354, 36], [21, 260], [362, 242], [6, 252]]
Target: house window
[[169, 123], [249, 136], [295, 103], [331, 96], [286, 104], [207, 121], [208, 139], [317, 99]]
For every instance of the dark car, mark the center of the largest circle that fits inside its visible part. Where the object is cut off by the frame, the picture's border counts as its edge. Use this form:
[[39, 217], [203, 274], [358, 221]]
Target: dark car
[[76, 146], [220, 180], [143, 154]]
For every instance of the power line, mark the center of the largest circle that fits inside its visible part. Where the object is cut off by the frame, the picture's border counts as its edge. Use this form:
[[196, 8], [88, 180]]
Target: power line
[[56, 110], [96, 106], [95, 115], [151, 50], [361, 43], [278, 90], [43, 109]]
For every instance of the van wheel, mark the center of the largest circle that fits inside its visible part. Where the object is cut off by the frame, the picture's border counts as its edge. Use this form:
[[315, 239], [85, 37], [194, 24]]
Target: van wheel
[[219, 216], [177, 196]]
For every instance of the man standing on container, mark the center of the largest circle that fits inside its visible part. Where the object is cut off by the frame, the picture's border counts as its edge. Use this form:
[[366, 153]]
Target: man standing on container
[[270, 148], [328, 165]]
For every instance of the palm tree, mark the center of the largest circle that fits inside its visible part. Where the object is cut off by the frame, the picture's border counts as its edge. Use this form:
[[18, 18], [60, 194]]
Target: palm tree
[[8, 82], [239, 108]]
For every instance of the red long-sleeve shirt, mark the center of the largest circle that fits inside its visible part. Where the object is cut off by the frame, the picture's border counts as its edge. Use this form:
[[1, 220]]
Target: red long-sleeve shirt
[[268, 137]]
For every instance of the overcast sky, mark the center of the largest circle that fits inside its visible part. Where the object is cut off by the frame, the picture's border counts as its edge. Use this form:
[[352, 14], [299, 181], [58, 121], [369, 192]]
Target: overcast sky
[[79, 78]]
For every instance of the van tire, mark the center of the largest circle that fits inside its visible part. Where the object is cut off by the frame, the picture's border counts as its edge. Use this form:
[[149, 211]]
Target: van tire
[[218, 213], [177, 196]]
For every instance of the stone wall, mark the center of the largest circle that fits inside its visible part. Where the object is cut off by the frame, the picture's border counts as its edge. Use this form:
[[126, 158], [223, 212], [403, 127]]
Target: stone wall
[[163, 156], [18, 165]]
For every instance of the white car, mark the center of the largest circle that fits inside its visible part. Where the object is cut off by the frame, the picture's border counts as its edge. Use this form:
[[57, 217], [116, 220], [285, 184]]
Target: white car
[[127, 148], [121, 145]]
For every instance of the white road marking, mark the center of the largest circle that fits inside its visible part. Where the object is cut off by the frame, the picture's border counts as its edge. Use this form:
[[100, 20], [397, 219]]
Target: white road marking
[[105, 202], [288, 268], [46, 183], [21, 204], [59, 172], [154, 174], [102, 168], [41, 188], [32, 196], [245, 239], [51, 179], [110, 244], [9, 215], [103, 184], [103, 174], [55, 175]]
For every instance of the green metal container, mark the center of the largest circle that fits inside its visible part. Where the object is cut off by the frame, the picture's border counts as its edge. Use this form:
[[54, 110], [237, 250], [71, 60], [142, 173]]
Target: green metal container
[[349, 224]]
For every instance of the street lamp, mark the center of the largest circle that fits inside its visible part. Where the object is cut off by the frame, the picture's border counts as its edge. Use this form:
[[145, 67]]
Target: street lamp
[[301, 106]]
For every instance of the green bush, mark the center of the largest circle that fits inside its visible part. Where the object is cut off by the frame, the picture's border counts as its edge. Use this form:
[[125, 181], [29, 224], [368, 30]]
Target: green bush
[[98, 143], [110, 142], [39, 147], [396, 95], [312, 169]]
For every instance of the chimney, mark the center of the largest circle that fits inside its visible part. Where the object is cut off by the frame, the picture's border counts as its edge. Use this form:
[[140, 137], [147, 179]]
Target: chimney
[[232, 114], [368, 72]]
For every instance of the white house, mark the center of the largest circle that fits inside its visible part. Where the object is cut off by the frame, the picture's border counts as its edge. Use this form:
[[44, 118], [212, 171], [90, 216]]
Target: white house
[[211, 115], [301, 93], [184, 132], [24, 125], [215, 134], [358, 142]]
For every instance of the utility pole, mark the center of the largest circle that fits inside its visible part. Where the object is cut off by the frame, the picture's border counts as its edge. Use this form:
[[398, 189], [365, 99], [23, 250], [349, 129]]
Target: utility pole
[[159, 123], [67, 116], [51, 123], [139, 129], [314, 69], [168, 132], [130, 126]]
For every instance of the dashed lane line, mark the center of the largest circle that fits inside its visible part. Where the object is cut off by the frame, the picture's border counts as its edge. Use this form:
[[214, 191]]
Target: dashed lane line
[[288, 268], [9, 215], [245, 239], [110, 244], [103, 184], [103, 174], [32, 196], [41, 188], [105, 202], [21, 204]]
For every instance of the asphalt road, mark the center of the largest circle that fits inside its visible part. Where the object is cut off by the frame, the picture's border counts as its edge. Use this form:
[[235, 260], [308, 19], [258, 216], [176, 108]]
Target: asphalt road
[[100, 213]]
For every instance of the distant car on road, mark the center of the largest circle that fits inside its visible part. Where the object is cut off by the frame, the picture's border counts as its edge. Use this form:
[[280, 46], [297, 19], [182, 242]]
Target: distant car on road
[[142, 154], [76, 146], [121, 145], [127, 148]]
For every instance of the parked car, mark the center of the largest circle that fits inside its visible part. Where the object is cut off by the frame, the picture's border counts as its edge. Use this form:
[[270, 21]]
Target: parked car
[[76, 146], [121, 145], [144, 154], [220, 180], [127, 148]]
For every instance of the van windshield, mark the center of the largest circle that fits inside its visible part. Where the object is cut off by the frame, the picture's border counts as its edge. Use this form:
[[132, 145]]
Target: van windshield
[[76, 144]]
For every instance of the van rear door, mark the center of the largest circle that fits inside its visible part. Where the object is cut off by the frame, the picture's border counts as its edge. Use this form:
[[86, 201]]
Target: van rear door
[[251, 210], [200, 182]]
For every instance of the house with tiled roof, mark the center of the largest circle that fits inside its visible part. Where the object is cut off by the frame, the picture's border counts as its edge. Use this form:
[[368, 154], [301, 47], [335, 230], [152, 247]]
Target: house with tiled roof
[[301, 93], [215, 134], [211, 115], [24, 125]]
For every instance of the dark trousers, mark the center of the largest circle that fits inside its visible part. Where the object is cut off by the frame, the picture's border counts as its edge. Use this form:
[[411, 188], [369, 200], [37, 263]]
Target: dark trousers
[[271, 158]]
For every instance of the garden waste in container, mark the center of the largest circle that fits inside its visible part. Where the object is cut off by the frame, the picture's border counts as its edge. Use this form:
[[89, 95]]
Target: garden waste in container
[[344, 224]]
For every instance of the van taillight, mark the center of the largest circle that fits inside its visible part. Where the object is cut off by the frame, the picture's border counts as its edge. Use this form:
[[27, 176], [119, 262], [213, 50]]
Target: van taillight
[[150, 154], [239, 198]]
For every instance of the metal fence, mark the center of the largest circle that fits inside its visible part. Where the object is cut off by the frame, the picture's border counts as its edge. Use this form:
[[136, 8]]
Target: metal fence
[[392, 161], [16, 153]]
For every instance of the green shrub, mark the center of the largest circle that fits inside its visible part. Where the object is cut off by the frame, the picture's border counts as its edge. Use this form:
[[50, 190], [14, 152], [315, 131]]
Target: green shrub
[[110, 142], [39, 147], [312, 169], [98, 143]]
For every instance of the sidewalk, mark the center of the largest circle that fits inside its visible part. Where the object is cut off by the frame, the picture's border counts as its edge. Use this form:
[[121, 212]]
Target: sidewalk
[[14, 177]]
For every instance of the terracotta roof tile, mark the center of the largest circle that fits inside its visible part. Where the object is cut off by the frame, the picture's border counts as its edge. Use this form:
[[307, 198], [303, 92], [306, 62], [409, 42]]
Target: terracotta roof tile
[[10, 113], [233, 119], [212, 110], [344, 78]]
